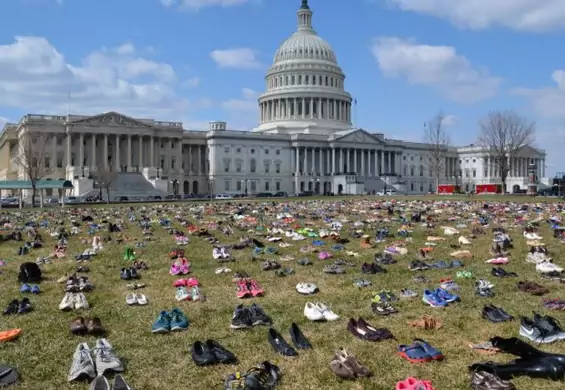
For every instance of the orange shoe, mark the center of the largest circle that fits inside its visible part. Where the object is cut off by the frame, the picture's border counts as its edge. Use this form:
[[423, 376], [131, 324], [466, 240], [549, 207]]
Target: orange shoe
[[9, 335]]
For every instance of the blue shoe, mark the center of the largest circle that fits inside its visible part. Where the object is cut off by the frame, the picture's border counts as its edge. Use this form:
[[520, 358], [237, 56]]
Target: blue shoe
[[25, 288], [35, 289], [162, 324], [431, 298], [178, 320], [441, 265], [446, 296]]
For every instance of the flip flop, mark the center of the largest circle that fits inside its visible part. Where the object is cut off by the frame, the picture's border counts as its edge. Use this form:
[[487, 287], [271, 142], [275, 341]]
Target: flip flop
[[434, 353], [414, 353], [9, 335], [8, 375]]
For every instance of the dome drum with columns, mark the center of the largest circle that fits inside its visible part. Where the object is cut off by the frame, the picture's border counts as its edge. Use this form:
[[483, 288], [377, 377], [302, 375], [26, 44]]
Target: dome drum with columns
[[305, 141]]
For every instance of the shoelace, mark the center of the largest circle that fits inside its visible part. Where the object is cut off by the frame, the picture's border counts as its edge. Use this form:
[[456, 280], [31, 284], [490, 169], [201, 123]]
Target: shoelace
[[106, 353]]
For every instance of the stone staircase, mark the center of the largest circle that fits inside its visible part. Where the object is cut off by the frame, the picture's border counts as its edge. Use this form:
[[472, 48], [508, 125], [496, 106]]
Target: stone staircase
[[134, 186]]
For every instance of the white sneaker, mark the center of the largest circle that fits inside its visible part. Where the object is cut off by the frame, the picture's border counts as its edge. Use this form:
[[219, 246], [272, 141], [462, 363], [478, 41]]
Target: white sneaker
[[216, 253], [81, 302], [327, 312], [306, 288], [182, 294], [141, 299], [224, 253], [131, 299], [464, 240], [312, 312], [547, 267], [68, 302]]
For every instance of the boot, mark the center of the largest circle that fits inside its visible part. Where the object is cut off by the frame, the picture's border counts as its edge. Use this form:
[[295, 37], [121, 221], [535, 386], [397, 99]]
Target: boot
[[524, 350], [543, 368]]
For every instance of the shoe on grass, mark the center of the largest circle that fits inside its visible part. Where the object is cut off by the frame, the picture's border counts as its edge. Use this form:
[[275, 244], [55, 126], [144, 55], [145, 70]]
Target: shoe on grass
[[80, 301], [100, 383], [78, 326], [82, 366], [162, 324], [258, 316], [241, 318], [178, 320], [67, 303], [120, 383], [106, 358]]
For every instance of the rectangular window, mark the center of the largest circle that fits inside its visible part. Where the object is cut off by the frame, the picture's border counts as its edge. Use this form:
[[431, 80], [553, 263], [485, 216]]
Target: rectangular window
[[267, 186], [238, 185], [278, 168], [238, 167], [227, 185], [278, 186], [253, 185]]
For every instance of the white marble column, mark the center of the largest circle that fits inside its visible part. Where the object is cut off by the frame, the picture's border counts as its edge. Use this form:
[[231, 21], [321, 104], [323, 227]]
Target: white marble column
[[68, 149], [321, 161], [179, 167], [117, 158], [383, 171], [140, 152], [152, 152], [53, 151], [333, 160], [341, 157], [313, 160], [297, 160], [81, 150], [199, 163], [129, 154], [348, 157], [376, 173], [105, 156], [355, 164], [363, 162], [93, 150]]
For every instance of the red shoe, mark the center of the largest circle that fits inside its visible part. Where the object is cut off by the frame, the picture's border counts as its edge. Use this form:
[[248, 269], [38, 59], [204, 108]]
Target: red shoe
[[256, 290], [180, 283], [243, 290]]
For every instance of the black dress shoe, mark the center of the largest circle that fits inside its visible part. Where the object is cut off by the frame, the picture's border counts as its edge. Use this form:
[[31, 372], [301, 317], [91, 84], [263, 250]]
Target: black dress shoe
[[202, 355], [298, 338], [25, 306], [542, 368], [279, 344], [12, 307], [221, 354], [522, 349], [493, 315], [502, 312]]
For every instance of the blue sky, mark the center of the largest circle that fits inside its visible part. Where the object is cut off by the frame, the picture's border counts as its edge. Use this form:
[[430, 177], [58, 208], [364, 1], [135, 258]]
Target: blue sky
[[201, 60]]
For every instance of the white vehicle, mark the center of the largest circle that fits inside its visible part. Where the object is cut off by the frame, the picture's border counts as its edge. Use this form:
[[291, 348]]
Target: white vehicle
[[386, 193], [223, 197], [71, 200]]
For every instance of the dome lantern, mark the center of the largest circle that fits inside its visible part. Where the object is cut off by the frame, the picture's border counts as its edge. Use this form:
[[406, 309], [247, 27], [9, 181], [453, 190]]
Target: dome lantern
[[304, 17]]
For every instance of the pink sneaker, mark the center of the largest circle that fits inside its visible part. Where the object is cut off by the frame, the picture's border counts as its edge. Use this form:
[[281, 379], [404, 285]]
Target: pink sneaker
[[184, 267], [256, 289], [179, 283], [243, 290], [175, 269], [192, 282], [324, 255]]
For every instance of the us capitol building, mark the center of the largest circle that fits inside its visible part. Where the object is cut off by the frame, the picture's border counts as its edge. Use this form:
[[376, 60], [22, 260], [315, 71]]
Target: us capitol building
[[305, 141]]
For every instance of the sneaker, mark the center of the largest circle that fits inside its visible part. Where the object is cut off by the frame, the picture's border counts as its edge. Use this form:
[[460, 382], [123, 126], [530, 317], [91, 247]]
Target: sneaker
[[241, 318], [534, 332], [82, 366], [68, 302], [100, 383], [106, 358], [182, 294], [550, 324], [195, 294], [243, 290], [431, 298], [81, 302], [258, 316], [162, 324], [120, 383], [178, 320]]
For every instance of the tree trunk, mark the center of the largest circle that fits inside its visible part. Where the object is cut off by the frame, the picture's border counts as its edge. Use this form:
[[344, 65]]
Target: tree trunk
[[33, 191], [108, 195]]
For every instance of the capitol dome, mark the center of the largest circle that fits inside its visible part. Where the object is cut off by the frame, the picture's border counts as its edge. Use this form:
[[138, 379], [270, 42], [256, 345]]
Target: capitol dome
[[305, 85]]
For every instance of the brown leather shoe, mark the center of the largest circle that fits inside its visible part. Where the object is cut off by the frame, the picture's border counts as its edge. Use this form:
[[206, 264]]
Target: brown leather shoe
[[78, 326], [482, 380], [94, 326], [426, 322], [532, 288], [352, 362], [378, 333]]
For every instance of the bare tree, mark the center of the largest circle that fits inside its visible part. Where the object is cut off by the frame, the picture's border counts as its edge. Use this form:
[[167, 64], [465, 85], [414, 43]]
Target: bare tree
[[31, 158], [105, 177], [436, 136], [503, 135]]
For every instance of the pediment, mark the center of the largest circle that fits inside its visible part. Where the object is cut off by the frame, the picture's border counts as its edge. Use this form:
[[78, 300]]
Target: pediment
[[359, 136], [111, 119]]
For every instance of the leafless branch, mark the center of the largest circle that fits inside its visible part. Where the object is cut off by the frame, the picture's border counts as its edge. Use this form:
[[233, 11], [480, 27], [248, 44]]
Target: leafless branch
[[31, 158], [435, 134], [105, 177], [503, 135]]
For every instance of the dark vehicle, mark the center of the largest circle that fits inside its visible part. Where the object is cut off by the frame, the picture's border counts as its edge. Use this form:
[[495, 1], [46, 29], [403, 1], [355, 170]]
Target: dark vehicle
[[307, 193], [281, 194], [122, 199], [264, 195]]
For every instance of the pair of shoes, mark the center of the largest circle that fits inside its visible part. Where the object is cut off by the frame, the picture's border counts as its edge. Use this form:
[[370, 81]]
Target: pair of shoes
[[180, 266], [426, 322], [172, 321], [419, 351], [26, 288], [495, 314], [129, 273], [75, 301], [249, 288], [365, 331], [136, 299], [411, 383], [246, 317], [188, 294], [211, 352], [482, 380], [85, 367], [18, 307], [281, 346], [102, 383], [541, 329], [307, 288], [319, 312], [80, 325], [346, 366], [129, 254], [262, 377], [78, 283], [439, 297]]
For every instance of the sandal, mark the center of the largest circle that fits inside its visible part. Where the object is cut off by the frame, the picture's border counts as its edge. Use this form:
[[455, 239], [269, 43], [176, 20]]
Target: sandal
[[414, 353]]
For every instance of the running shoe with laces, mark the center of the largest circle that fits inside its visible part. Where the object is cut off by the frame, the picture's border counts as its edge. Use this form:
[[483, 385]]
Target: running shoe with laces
[[106, 358], [82, 366], [550, 324]]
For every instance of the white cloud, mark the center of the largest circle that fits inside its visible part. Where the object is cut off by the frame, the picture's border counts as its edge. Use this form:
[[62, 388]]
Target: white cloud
[[241, 58], [196, 5], [525, 15], [36, 77], [547, 101], [191, 83], [439, 67], [248, 102]]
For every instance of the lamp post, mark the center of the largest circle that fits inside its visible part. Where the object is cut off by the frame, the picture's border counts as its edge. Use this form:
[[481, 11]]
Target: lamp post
[[245, 181], [82, 168], [175, 183], [98, 183], [158, 172]]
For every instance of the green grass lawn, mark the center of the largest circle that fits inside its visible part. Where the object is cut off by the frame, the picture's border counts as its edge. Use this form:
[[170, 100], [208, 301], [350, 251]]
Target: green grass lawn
[[44, 351]]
